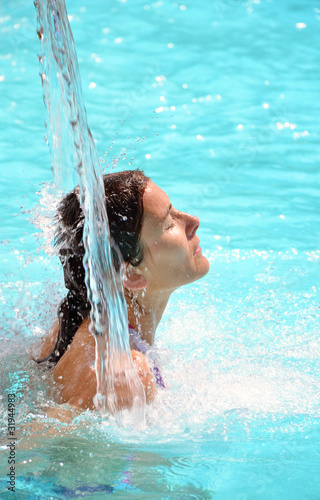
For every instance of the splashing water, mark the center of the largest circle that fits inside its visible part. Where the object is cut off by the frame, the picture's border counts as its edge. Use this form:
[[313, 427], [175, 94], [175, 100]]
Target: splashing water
[[73, 151]]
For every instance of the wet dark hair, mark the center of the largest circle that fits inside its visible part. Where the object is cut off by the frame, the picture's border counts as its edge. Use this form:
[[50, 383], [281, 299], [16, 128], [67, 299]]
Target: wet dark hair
[[123, 196]]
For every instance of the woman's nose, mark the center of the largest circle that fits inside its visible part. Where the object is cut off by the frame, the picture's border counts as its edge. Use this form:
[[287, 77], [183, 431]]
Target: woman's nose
[[192, 224]]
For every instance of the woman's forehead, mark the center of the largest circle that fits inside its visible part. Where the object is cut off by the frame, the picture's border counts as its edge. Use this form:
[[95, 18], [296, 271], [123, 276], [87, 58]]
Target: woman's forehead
[[155, 201]]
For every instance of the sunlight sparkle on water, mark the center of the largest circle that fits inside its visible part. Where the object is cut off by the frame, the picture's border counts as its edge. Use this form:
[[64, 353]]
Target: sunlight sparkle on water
[[280, 125]]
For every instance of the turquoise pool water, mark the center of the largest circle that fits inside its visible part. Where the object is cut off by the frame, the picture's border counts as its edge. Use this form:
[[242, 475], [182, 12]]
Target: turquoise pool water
[[219, 103]]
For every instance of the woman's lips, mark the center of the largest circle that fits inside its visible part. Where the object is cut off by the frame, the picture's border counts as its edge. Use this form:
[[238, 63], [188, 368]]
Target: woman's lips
[[197, 250]]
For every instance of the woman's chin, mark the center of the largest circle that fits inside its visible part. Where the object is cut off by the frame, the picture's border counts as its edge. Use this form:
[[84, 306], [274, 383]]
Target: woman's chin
[[205, 266], [202, 263], [202, 268]]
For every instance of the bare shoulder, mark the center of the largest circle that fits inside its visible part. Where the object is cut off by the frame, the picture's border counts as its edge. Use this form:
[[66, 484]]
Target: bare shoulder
[[145, 374], [48, 341], [74, 373]]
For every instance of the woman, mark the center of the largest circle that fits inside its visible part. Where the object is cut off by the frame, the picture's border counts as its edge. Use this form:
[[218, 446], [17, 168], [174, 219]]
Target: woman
[[161, 251]]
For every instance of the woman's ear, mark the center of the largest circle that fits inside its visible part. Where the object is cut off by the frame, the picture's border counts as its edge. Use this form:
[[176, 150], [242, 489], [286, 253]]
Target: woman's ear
[[133, 279]]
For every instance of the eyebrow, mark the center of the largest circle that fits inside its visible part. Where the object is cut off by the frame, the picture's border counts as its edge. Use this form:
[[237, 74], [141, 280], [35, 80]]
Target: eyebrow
[[166, 214]]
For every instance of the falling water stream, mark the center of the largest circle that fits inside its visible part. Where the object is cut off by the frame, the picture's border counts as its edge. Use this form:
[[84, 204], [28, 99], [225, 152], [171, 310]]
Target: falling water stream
[[73, 152]]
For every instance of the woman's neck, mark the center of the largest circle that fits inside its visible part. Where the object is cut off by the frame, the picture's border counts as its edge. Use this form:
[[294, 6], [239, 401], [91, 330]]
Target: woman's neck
[[145, 311]]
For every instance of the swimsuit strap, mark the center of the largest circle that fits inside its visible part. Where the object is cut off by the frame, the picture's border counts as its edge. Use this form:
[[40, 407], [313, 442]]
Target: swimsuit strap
[[137, 342], [141, 345]]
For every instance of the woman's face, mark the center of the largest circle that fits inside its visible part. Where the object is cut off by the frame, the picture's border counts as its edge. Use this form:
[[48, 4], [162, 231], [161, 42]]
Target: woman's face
[[172, 255]]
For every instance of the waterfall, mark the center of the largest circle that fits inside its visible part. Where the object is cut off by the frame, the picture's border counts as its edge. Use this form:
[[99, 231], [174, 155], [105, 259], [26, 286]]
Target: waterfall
[[74, 156]]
